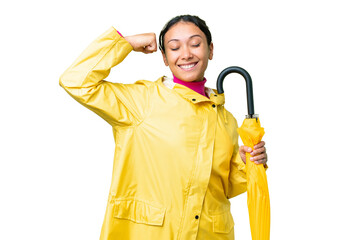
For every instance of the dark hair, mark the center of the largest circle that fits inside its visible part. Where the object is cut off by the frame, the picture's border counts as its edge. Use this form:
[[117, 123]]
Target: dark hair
[[185, 18]]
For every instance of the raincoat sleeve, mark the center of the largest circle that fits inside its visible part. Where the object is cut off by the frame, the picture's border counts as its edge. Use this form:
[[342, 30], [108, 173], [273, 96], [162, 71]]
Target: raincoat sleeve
[[118, 104], [237, 175]]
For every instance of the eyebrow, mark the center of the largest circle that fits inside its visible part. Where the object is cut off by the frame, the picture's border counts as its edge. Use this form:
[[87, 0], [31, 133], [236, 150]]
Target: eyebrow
[[175, 39]]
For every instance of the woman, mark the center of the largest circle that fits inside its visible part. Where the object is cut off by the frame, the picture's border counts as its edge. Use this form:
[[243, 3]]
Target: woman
[[177, 160]]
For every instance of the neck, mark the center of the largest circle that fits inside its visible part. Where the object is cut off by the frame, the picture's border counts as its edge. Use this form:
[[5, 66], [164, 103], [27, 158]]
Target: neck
[[198, 87]]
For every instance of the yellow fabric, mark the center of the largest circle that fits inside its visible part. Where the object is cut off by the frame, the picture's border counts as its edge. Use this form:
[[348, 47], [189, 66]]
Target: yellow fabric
[[176, 160], [258, 198]]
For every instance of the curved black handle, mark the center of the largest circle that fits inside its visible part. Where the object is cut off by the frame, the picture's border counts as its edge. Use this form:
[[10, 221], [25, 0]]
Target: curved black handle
[[249, 89]]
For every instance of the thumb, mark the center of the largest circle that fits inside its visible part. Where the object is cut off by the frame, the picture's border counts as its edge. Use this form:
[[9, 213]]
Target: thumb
[[245, 149], [248, 149], [150, 48]]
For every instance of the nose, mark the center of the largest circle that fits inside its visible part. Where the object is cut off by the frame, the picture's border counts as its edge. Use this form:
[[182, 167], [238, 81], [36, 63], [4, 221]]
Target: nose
[[186, 53]]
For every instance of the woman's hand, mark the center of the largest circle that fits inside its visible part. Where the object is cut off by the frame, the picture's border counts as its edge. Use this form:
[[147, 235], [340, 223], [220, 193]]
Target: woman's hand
[[145, 42], [258, 155]]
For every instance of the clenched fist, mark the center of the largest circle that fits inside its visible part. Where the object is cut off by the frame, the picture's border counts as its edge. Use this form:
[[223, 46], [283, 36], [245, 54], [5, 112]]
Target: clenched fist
[[145, 42]]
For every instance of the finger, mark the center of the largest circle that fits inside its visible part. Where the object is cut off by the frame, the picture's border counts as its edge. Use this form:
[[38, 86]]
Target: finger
[[259, 145], [258, 151], [258, 157], [151, 47], [146, 50], [262, 161]]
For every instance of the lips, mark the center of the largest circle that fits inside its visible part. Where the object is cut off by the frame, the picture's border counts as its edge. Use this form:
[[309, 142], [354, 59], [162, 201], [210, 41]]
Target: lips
[[188, 66]]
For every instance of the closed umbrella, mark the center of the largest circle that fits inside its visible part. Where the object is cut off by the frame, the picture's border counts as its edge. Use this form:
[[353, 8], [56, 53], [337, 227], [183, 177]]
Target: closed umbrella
[[251, 133]]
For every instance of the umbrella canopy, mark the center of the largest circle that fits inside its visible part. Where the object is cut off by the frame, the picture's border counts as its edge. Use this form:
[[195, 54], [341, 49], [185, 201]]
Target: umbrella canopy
[[251, 134], [258, 198]]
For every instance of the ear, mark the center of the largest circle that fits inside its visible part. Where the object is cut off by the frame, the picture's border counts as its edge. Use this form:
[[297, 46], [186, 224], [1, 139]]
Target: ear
[[164, 58], [211, 51]]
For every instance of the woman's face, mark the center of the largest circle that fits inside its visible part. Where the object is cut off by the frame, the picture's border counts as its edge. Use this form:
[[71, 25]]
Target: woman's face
[[186, 51]]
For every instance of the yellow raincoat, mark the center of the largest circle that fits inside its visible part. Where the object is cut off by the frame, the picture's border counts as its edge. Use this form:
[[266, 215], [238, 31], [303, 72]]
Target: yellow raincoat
[[176, 160]]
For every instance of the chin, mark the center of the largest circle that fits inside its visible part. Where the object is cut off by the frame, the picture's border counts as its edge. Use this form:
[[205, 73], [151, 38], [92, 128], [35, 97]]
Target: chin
[[191, 78]]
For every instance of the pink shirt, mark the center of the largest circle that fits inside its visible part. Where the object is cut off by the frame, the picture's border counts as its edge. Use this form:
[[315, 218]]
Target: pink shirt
[[198, 87], [119, 33]]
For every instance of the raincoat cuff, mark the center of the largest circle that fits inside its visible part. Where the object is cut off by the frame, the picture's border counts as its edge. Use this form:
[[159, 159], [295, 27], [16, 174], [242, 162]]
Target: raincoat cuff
[[122, 39]]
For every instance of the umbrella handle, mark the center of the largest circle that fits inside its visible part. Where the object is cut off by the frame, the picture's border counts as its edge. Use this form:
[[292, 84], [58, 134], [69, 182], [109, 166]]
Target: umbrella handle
[[249, 89]]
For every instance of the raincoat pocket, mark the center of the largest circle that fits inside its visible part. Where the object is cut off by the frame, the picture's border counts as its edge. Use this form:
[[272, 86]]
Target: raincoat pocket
[[139, 211], [223, 222]]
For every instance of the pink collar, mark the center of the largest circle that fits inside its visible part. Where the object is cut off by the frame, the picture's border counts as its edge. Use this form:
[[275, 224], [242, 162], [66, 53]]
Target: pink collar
[[198, 87]]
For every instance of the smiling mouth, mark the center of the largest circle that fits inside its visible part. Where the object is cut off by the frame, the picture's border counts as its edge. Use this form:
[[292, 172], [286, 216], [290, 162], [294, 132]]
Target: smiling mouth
[[188, 66]]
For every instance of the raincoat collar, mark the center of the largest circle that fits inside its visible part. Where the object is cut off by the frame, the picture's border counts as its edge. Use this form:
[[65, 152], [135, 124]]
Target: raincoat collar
[[189, 94]]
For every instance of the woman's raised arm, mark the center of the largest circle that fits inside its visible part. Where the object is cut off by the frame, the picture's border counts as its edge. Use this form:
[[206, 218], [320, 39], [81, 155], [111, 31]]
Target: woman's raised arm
[[118, 104]]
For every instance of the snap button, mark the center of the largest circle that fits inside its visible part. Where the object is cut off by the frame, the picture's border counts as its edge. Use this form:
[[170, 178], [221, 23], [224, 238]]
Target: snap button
[[193, 99], [213, 106], [197, 217]]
